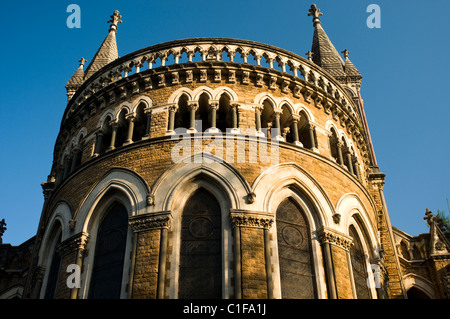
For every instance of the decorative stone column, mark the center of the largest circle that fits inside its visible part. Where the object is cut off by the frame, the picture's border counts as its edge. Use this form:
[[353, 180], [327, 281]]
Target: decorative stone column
[[295, 120], [312, 139], [72, 252], [258, 110], [193, 107], [277, 126], [98, 142], [114, 127], [148, 115], [148, 270], [131, 118], [336, 251], [350, 161], [253, 268], [234, 118], [172, 111], [339, 145], [213, 107]]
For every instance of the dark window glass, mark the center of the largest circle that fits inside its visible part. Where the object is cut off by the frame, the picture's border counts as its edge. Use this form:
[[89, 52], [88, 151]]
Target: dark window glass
[[294, 250], [201, 254], [109, 254]]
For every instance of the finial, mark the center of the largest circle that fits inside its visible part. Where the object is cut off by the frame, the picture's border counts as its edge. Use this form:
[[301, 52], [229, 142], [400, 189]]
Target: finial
[[345, 53], [315, 12], [2, 229], [82, 62], [115, 19], [309, 54]]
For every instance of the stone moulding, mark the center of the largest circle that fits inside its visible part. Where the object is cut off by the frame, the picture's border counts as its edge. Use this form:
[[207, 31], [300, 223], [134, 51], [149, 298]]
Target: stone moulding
[[73, 243]]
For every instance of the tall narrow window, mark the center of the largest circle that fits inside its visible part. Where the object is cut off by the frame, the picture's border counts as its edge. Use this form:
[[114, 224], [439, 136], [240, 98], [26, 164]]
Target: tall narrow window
[[200, 252], [109, 254], [294, 251], [53, 275], [359, 266]]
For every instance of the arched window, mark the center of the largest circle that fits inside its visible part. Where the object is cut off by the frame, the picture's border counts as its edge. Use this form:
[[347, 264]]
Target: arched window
[[333, 139], [53, 275], [104, 137], [109, 255], [122, 129], [182, 116], [224, 121], [140, 125], [359, 266], [200, 273], [203, 113], [285, 124], [294, 251]]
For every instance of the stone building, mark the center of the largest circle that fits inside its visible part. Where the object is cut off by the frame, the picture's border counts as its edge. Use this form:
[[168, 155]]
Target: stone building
[[216, 168]]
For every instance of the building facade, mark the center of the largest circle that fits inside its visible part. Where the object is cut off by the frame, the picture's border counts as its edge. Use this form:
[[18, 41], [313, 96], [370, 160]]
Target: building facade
[[216, 168]]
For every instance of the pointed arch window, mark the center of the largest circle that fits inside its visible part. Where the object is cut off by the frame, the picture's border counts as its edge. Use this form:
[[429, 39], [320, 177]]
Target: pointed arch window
[[106, 282], [359, 266], [53, 275], [295, 253], [200, 269]]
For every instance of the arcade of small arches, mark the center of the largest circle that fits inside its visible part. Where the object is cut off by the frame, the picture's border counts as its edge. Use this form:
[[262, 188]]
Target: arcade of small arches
[[211, 111], [298, 225]]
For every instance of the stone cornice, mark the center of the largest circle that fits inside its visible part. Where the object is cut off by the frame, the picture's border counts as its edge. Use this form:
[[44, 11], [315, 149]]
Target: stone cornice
[[150, 221]]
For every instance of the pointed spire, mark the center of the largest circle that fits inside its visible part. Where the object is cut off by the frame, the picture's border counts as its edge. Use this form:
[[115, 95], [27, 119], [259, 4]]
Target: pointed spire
[[349, 68], [324, 53], [76, 80], [108, 50]]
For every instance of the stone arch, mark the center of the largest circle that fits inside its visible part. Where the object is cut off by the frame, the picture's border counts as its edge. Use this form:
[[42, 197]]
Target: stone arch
[[425, 286], [120, 186], [164, 189], [289, 180], [142, 99], [175, 96], [125, 106]]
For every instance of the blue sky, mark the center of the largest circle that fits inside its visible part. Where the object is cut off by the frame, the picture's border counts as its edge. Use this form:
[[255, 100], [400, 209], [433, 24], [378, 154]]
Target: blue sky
[[405, 68]]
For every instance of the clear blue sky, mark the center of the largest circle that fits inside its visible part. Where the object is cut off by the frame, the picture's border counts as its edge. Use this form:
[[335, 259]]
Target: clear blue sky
[[405, 68]]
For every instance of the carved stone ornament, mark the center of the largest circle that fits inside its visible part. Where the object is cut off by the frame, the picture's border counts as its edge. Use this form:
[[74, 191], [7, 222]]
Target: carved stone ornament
[[150, 221], [251, 219], [330, 236], [72, 244]]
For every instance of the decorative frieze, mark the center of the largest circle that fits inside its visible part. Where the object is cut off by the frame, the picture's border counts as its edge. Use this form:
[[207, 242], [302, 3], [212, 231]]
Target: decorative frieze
[[243, 218], [150, 221]]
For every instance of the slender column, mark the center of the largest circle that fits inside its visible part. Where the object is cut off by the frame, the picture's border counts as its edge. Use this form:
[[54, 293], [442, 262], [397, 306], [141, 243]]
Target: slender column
[[148, 114], [339, 151], [356, 168], [295, 120], [114, 126], [258, 109], [234, 108], [276, 123], [98, 143], [144, 225], [192, 106], [214, 106], [312, 140], [73, 248], [131, 119], [75, 157], [350, 162], [172, 110]]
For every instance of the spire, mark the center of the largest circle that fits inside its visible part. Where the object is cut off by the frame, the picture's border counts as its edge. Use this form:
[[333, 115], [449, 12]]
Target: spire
[[324, 53], [108, 50], [349, 69], [76, 80]]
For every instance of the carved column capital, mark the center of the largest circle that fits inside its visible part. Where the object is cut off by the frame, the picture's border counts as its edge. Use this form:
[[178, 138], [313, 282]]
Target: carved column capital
[[72, 244], [150, 221], [192, 105], [214, 104], [331, 236], [243, 218]]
